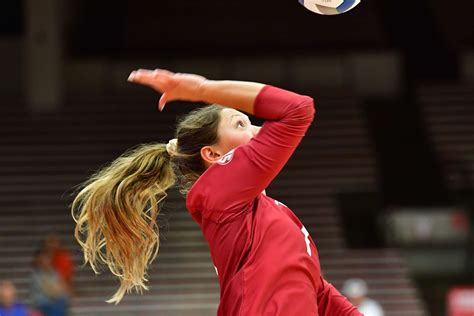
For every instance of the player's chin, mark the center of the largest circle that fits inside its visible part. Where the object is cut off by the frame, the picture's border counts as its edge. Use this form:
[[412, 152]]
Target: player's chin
[[242, 141]]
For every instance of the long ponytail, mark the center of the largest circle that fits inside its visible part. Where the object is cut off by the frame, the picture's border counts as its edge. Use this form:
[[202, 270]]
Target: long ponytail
[[116, 211]]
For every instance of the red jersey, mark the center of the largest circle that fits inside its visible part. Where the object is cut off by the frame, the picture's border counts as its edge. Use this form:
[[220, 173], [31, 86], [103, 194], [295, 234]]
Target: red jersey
[[63, 264], [267, 263]]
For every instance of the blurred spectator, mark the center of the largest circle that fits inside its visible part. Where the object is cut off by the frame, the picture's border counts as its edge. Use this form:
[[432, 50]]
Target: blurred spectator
[[61, 260], [48, 293], [356, 291], [8, 303]]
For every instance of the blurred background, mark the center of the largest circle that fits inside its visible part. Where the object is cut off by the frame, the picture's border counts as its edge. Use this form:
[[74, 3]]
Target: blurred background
[[383, 181]]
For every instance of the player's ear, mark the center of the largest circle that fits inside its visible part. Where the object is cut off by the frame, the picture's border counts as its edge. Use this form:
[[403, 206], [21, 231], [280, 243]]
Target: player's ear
[[209, 154]]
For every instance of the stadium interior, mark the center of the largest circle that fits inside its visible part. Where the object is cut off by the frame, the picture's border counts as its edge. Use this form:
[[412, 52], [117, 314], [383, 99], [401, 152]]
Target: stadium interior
[[384, 179]]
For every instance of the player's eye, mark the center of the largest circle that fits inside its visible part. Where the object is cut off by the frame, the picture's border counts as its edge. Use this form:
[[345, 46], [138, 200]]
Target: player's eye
[[240, 123]]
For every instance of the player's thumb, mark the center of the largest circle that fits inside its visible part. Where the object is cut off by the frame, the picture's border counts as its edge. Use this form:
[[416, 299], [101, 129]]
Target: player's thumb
[[162, 102]]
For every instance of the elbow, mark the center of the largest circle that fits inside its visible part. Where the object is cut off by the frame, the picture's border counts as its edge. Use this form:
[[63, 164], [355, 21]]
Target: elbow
[[310, 108], [305, 110]]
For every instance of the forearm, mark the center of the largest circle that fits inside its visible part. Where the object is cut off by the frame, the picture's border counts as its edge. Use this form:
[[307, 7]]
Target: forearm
[[239, 95]]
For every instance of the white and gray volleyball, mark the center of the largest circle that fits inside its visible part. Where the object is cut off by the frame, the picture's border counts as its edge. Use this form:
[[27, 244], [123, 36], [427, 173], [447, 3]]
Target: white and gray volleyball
[[329, 7]]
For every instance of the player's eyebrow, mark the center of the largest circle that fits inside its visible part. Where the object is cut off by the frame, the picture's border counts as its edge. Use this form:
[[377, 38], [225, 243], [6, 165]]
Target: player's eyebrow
[[239, 115]]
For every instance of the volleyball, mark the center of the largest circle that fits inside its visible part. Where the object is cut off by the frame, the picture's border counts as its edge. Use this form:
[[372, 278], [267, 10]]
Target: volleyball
[[329, 7]]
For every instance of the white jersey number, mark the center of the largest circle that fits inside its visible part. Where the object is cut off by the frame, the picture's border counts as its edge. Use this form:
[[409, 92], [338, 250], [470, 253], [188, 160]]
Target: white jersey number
[[306, 238]]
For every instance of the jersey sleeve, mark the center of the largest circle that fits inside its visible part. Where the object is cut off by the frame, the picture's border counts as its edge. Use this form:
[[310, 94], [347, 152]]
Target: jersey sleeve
[[229, 186], [331, 302]]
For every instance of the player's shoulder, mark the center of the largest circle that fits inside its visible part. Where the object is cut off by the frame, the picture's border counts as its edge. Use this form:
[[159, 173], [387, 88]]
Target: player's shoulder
[[211, 189], [227, 158]]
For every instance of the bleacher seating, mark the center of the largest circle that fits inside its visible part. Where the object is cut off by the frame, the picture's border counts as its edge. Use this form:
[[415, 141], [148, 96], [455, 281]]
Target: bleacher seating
[[449, 115], [43, 156]]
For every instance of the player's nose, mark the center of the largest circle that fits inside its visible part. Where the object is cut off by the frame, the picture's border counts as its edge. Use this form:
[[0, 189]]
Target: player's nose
[[255, 130]]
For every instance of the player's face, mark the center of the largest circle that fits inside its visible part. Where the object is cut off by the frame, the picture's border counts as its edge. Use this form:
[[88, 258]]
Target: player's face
[[234, 129]]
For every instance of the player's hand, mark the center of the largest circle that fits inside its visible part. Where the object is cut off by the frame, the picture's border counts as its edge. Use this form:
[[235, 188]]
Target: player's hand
[[172, 86]]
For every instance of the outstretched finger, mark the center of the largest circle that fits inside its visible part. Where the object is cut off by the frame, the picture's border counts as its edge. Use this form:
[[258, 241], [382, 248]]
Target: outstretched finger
[[141, 76], [163, 72], [156, 80]]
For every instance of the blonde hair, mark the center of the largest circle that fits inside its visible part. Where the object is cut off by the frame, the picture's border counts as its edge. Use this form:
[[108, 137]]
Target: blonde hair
[[117, 208]]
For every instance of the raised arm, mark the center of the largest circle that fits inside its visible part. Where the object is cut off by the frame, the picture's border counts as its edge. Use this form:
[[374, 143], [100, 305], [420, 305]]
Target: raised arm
[[239, 95], [229, 185]]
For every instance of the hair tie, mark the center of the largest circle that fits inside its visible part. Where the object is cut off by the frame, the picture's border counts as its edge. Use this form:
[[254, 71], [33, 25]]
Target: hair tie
[[172, 147]]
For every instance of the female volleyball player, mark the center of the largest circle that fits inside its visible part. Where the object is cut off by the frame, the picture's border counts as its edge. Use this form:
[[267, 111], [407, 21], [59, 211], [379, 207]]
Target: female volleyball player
[[267, 263]]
